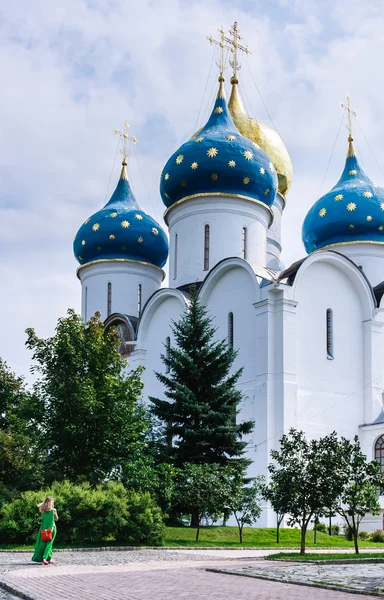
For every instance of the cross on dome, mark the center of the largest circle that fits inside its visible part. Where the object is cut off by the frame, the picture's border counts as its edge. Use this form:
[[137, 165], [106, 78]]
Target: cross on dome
[[350, 112], [125, 137], [222, 46], [234, 32]]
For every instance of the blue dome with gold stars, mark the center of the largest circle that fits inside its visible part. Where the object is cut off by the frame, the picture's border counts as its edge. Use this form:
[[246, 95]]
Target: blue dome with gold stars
[[219, 161], [352, 212], [121, 230]]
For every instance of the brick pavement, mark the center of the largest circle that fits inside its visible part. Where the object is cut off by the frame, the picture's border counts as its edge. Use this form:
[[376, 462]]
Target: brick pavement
[[156, 581]]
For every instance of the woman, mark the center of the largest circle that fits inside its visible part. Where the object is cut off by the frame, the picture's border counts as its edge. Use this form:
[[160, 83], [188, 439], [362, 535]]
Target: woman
[[43, 549]]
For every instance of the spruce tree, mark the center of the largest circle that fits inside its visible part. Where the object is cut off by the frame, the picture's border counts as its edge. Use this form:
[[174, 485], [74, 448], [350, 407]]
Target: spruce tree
[[201, 405]]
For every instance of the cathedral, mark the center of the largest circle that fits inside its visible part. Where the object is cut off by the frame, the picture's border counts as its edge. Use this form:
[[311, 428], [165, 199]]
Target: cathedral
[[310, 336]]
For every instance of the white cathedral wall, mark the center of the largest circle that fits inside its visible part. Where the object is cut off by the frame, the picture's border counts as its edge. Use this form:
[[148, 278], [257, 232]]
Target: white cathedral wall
[[369, 256], [274, 235], [125, 278], [330, 392], [226, 218]]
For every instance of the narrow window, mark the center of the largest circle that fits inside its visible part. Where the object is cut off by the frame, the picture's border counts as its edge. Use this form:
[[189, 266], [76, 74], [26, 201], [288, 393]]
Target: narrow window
[[329, 334], [379, 452], [85, 303], [206, 248], [245, 242], [230, 330], [175, 258], [109, 308], [139, 299], [167, 348]]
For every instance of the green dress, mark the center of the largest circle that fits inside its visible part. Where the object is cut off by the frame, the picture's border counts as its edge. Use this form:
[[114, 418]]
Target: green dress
[[44, 549]]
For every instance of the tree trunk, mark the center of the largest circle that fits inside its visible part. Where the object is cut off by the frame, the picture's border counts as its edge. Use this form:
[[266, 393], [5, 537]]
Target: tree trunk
[[241, 534], [303, 534], [195, 521], [278, 530], [355, 532], [197, 533]]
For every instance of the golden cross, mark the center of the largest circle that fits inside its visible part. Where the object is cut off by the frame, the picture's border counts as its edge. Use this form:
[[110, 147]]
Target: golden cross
[[222, 47], [235, 47], [125, 137], [350, 112]]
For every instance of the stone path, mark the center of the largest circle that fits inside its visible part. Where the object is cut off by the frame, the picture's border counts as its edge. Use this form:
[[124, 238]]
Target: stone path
[[161, 574]]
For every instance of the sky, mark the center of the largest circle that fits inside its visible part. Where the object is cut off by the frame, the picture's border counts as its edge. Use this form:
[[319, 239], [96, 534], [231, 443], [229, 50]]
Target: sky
[[73, 71]]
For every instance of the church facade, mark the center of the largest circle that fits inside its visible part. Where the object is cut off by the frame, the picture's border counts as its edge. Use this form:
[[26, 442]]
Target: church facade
[[310, 337]]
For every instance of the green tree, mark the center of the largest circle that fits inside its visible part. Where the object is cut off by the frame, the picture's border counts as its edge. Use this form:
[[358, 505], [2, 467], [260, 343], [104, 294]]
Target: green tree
[[203, 491], [201, 405], [245, 502], [93, 420], [308, 477], [21, 455], [275, 495], [359, 495]]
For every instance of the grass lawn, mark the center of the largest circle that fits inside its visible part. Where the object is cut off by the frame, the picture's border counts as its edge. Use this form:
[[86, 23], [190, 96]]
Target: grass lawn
[[228, 537], [294, 556], [254, 537]]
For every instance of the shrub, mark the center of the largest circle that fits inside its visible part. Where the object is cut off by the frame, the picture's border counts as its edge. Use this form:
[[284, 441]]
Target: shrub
[[347, 531], [87, 515], [377, 536], [321, 527], [335, 529], [363, 535]]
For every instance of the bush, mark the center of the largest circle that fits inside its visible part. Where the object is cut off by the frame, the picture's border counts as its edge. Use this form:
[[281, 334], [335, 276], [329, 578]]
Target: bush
[[377, 536], [363, 535], [335, 529], [321, 527], [347, 532], [87, 515]]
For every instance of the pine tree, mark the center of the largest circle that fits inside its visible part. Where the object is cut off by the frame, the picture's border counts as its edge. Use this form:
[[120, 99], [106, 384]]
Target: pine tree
[[199, 413]]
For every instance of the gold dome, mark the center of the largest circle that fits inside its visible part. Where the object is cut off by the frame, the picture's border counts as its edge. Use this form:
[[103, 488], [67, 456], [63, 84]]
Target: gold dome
[[264, 136]]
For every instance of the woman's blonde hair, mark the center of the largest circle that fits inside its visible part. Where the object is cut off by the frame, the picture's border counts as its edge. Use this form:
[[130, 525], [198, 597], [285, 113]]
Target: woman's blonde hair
[[47, 505]]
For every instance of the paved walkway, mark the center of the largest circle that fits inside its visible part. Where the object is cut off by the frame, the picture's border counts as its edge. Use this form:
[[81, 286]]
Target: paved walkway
[[162, 574]]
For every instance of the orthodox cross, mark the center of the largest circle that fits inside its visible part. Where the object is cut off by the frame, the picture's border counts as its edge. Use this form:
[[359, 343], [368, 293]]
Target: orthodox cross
[[222, 47], [125, 137], [235, 47], [350, 113]]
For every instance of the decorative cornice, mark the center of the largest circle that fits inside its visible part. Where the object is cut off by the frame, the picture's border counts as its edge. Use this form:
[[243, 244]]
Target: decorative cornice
[[346, 244], [118, 260], [223, 195]]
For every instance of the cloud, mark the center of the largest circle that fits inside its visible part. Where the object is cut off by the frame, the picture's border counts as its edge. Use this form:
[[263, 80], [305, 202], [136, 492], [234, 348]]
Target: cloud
[[73, 71]]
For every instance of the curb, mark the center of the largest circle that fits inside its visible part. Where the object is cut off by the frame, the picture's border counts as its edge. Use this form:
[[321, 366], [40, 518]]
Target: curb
[[329, 561], [324, 586], [7, 588]]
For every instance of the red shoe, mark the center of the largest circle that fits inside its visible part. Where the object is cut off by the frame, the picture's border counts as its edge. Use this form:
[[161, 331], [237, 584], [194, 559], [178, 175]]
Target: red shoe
[[45, 562], [51, 562]]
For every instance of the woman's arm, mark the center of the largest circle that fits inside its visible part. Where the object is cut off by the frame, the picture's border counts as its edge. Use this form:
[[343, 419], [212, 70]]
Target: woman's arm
[[55, 514]]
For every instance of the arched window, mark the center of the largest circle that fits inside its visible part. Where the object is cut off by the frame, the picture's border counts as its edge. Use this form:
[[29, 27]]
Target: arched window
[[379, 452], [329, 326], [175, 258], [85, 303], [230, 330], [245, 242], [109, 302], [167, 348], [139, 299], [206, 248]]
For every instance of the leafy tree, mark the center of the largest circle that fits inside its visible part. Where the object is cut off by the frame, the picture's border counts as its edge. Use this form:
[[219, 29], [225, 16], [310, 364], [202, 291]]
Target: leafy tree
[[277, 499], [307, 476], [361, 482], [93, 421], [202, 490], [244, 502], [20, 451], [201, 405]]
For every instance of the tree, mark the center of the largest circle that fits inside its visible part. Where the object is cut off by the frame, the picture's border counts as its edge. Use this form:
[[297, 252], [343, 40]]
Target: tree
[[93, 420], [245, 502], [201, 405], [277, 499], [307, 476], [203, 490], [20, 451], [361, 482]]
